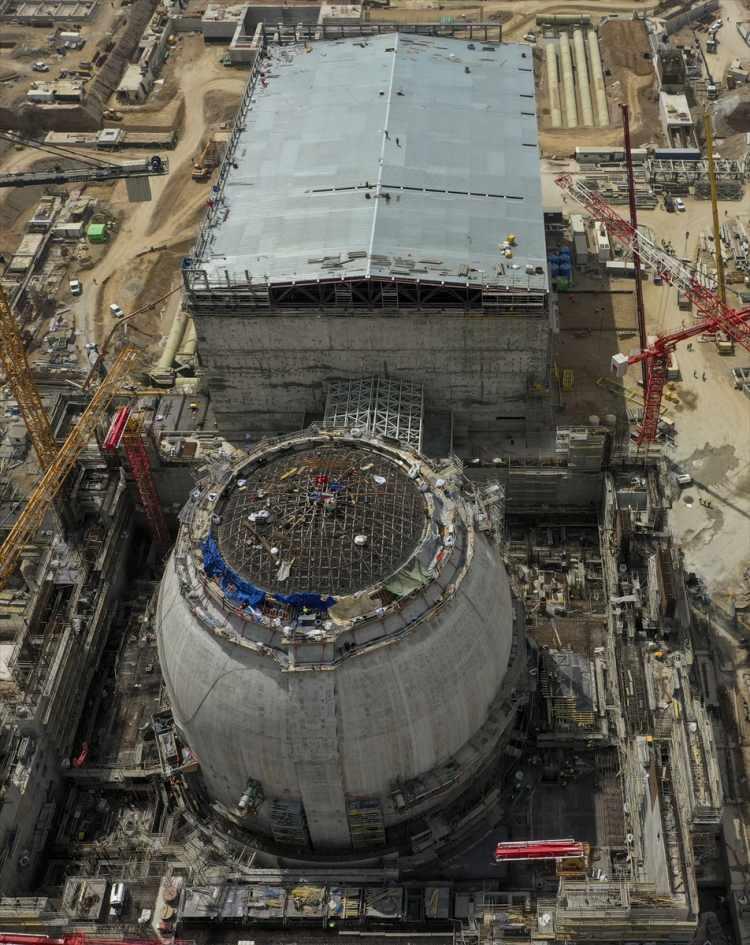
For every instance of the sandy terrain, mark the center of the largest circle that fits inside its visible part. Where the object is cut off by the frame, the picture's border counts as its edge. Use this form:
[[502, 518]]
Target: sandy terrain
[[712, 418], [129, 276]]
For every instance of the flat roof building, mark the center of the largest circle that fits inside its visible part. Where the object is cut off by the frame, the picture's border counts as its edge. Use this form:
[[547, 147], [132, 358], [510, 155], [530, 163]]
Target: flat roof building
[[397, 176]]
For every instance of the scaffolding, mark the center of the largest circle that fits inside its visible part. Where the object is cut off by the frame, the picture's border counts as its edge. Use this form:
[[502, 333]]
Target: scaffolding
[[366, 823], [379, 407]]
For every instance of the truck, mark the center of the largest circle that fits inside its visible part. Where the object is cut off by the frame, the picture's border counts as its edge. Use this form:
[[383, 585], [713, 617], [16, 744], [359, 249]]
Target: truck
[[683, 301]]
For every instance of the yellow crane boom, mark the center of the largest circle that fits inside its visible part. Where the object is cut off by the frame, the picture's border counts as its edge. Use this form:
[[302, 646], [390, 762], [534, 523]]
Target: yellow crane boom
[[18, 375], [41, 498]]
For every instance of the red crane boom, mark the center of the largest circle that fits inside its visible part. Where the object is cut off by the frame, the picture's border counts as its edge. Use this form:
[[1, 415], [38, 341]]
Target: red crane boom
[[72, 938], [538, 850], [717, 316]]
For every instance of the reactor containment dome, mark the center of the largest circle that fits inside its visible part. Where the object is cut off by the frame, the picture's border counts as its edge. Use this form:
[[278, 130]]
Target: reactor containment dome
[[337, 636]]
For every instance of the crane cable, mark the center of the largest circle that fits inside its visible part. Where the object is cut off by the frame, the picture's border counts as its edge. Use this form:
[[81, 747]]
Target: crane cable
[[56, 151]]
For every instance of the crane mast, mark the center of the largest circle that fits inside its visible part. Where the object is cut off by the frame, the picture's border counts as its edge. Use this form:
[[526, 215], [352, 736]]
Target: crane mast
[[18, 375], [714, 207], [639, 305], [717, 315], [48, 486]]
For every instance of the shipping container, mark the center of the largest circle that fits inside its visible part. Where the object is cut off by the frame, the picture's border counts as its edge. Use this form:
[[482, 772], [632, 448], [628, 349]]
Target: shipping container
[[677, 154], [608, 155]]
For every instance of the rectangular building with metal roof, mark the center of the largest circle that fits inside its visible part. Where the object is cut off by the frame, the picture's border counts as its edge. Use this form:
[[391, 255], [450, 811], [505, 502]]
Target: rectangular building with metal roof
[[387, 176]]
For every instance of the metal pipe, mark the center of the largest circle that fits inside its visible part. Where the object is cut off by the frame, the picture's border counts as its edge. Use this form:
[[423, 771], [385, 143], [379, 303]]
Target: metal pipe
[[564, 19], [188, 345], [174, 340], [553, 85], [582, 74], [597, 75], [569, 91]]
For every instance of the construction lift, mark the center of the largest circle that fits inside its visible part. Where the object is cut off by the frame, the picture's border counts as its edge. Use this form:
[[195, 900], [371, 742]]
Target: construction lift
[[717, 315]]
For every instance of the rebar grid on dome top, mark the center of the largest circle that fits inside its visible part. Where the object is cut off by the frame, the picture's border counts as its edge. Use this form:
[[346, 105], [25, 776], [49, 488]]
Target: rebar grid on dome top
[[291, 525]]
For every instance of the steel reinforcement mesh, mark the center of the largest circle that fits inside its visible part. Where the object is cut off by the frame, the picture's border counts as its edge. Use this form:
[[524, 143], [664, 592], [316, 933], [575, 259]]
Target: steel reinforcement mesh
[[330, 520]]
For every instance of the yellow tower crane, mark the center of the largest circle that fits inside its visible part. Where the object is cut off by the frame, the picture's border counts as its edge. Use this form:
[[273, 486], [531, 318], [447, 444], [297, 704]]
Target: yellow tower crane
[[18, 375], [43, 495], [715, 208]]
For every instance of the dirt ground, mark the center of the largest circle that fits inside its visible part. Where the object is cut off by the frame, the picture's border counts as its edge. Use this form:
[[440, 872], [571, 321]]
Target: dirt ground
[[596, 319], [712, 418], [629, 76], [31, 45], [170, 220], [518, 16]]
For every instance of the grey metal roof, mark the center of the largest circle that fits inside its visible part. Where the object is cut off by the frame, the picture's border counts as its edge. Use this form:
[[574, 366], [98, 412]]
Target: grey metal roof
[[386, 156]]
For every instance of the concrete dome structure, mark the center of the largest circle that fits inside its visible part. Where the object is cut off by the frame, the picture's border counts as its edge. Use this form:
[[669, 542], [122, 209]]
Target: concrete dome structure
[[337, 640]]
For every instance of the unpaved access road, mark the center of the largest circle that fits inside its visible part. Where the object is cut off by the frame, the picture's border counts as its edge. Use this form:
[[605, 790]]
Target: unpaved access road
[[171, 217]]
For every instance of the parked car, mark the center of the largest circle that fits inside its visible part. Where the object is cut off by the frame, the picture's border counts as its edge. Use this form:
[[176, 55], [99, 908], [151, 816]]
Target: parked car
[[75, 287], [40, 67], [679, 204], [684, 479], [116, 310]]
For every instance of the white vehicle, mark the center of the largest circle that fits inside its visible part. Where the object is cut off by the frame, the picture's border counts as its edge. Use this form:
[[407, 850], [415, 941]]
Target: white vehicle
[[117, 896], [684, 479], [530, 37], [716, 25], [117, 312], [75, 287], [679, 204], [40, 67]]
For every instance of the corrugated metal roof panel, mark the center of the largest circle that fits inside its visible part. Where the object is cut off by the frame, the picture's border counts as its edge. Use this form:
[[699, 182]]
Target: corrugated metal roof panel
[[380, 151]]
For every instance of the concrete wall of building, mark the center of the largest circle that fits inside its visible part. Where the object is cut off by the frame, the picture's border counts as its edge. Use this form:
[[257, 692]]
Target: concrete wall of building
[[272, 14], [690, 14], [393, 712], [267, 371]]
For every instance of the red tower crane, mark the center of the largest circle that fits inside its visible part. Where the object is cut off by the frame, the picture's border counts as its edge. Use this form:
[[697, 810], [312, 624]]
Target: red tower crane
[[717, 316], [126, 429]]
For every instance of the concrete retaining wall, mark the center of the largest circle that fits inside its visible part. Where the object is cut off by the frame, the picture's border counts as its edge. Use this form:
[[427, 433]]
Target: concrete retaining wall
[[267, 371]]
